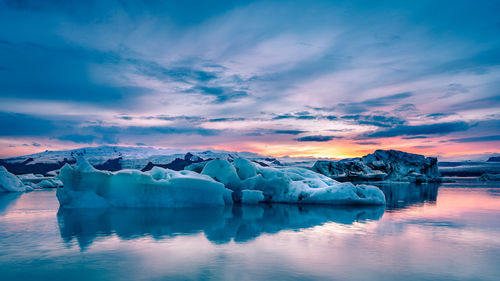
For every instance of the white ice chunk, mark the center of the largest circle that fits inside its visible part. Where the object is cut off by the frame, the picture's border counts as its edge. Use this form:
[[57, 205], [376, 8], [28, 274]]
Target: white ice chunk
[[87, 187], [39, 181], [251, 196], [289, 185], [9, 182], [50, 183]]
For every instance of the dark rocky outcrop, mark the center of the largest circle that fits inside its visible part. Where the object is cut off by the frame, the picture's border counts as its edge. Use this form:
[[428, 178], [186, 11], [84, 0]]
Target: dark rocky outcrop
[[111, 165], [177, 164], [26, 167]]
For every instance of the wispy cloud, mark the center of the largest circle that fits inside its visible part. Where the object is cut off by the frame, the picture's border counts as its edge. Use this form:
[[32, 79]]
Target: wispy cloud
[[248, 74], [415, 130], [477, 139], [317, 138]]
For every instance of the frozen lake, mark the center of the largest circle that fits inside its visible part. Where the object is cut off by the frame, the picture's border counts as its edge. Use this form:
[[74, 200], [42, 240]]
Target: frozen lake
[[427, 232]]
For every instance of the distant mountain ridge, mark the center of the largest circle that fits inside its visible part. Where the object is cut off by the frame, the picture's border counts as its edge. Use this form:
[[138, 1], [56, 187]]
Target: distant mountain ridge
[[114, 158]]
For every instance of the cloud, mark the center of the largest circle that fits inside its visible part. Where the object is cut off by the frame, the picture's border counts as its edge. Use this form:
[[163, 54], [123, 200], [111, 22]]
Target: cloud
[[436, 116], [163, 130], [289, 132], [15, 124], [317, 138], [424, 146], [61, 73], [455, 89], [304, 115], [477, 139], [369, 104], [186, 74], [296, 116], [226, 119], [76, 138], [221, 94], [407, 108], [414, 137], [386, 100], [177, 118], [430, 129], [482, 103], [122, 61], [375, 120], [368, 143]]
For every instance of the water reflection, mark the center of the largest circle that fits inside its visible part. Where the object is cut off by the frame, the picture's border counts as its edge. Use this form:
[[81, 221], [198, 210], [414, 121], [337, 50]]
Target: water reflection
[[7, 200], [220, 225], [400, 196], [457, 239]]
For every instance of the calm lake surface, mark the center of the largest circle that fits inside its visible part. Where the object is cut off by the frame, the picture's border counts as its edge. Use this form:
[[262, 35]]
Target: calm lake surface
[[429, 232]]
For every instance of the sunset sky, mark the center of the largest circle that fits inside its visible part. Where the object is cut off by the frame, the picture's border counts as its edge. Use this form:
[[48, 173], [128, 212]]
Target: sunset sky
[[324, 79]]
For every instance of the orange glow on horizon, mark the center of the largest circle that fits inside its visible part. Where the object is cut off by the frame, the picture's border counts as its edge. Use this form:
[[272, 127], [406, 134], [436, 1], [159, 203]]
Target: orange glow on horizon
[[335, 149]]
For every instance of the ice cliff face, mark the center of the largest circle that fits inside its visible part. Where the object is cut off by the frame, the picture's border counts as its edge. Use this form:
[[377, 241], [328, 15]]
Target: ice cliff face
[[220, 182], [382, 165]]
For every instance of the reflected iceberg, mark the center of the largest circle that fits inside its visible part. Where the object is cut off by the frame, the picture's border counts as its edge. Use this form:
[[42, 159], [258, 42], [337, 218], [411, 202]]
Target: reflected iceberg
[[399, 196], [219, 224], [7, 199]]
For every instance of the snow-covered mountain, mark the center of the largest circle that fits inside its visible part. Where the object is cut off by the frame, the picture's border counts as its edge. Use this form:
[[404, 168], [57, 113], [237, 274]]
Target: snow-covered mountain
[[120, 157]]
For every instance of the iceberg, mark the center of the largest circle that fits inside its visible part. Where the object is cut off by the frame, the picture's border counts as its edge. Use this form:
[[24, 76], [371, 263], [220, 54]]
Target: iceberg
[[220, 182], [37, 181], [468, 168], [289, 184], [87, 187], [53, 182], [489, 177], [9, 182], [382, 165]]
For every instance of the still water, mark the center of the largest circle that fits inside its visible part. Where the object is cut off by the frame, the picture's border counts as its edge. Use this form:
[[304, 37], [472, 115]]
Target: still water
[[427, 232]]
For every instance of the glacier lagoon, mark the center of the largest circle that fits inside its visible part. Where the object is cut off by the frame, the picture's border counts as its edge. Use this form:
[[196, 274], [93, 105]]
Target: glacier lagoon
[[449, 231]]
